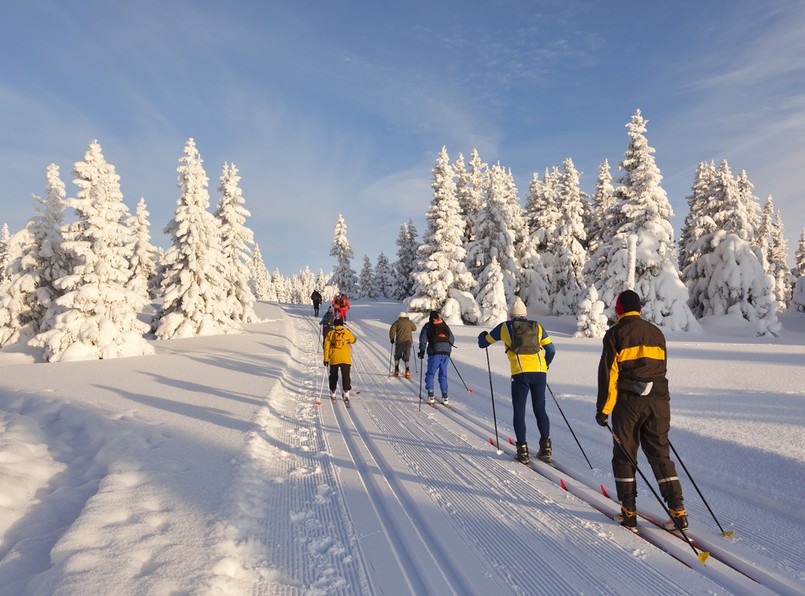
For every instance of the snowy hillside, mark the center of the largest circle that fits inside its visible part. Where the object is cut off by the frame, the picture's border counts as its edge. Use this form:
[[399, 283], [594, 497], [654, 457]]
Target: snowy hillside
[[208, 468]]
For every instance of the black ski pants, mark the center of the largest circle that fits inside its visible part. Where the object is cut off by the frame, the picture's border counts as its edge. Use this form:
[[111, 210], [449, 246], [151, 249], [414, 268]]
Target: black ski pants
[[644, 422], [402, 351], [346, 385]]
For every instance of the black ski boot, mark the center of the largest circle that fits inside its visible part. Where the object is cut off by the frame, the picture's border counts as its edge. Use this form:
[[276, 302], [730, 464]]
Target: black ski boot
[[627, 517], [522, 453], [545, 451], [679, 519]]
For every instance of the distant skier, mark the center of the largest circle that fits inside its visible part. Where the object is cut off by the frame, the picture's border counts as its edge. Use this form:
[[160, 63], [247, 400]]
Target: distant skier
[[401, 337], [437, 339], [341, 305], [327, 323], [633, 387], [317, 300], [338, 356], [530, 351]]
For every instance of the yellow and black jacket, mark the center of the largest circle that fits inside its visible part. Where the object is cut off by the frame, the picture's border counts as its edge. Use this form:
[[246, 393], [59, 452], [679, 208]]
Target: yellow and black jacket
[[521, 363], [634, 350]]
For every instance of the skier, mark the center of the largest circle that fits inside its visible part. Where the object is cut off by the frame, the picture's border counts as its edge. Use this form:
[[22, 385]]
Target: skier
[[438, 340], [317, 300], [632, 386], [327, 324], [338, 356], [341, 305], [400, 335], [530, 351]]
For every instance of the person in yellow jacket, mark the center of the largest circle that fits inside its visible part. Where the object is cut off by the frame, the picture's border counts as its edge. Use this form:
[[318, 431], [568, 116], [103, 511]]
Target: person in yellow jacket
[[338, 356], [530, 351], [633, 388]]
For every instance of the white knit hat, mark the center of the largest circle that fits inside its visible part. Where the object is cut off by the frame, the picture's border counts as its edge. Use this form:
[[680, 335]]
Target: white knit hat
[[518, 308], [403, 315]]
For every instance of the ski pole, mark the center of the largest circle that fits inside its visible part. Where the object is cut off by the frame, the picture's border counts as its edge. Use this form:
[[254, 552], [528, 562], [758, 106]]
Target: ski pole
[[459, 374], [420, 387], [492, 393], [391, 350], [568, 425], [684, 467], [321, 388], [702, 556]]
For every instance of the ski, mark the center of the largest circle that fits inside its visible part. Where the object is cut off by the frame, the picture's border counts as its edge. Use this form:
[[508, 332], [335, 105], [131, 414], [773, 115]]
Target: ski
[[346, 403]]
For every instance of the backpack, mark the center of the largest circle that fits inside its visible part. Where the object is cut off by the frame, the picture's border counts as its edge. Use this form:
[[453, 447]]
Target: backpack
[[329, 319], [525, 336], [339, 339], [438, 333]]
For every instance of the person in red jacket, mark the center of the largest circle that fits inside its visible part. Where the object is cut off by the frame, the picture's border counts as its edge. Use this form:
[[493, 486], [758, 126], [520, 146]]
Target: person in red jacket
[[340, 306]]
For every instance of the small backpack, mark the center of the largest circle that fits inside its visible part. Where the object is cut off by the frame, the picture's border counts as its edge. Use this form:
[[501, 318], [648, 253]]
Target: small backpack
[[329, 318], [339, 339], [439, 332], [525, 336]]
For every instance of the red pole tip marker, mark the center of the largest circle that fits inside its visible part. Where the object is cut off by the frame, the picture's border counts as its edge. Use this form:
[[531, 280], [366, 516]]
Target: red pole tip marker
[[469, 390], [510, 441], [604, 491], [491, 441], [562, 482]]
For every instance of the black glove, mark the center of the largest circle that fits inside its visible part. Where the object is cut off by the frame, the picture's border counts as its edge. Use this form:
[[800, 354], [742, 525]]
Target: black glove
[[482, 335], [601, 418], [421, 354], [326, 363], [392, 342]]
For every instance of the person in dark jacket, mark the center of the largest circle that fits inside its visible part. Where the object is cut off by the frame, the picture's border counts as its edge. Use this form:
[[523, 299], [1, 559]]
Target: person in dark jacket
[[401, 337], [530, 351], [633, 388], [437, 340], [317, 300], [327, 323]]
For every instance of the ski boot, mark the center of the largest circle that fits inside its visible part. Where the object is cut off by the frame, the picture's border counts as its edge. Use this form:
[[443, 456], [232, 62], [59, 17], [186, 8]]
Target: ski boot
[[522, 453], [332, 396], [346, 397], [396, 372], [407, 373], [445, 400], [431, 399], [545, 451], [627, 517], [679, 519]]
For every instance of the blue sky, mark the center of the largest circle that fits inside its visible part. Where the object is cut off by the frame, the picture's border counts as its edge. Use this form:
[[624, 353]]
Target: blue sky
[[329, 107]]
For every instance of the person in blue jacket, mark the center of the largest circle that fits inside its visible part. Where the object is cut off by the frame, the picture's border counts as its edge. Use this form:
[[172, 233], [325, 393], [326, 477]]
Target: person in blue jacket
[[437, 340]]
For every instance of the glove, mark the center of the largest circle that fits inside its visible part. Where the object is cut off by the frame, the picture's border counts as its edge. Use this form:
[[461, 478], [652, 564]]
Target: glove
[[392, 342], [482, 336], [421, 354], [326, 363], [601, 418]]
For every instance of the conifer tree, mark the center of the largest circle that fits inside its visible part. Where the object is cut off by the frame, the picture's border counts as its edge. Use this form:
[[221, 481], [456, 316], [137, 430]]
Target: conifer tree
[[799, 256], [383, 279], [343, 277], [260, 278], [798, 297], [492, 294], [568, 280], [442, 281], [143, 263], [644, 224], [407, 255], [236, 240], [778, 264], [194, 284], [97, 310], [469, 191], [542, 216], [366, 279], [28, 291], [603, 199], [4, 251]]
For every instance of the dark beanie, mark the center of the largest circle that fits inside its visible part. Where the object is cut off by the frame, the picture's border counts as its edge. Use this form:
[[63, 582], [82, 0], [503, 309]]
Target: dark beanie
[[434, 314], [628, 301], [338, 322]]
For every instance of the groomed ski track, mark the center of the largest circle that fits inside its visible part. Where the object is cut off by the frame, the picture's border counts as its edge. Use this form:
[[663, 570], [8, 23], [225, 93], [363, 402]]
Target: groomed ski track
[[416, 501]]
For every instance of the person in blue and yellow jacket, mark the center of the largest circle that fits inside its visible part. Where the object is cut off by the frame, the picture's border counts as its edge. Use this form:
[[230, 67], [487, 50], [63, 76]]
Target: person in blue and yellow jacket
[[632, 386], [530, 352]]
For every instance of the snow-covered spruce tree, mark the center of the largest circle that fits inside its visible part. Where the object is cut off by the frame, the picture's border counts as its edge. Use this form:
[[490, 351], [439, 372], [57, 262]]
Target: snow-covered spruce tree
[[321, 282], [534, 289], [279, 285], [494, 236], [746, 216], [798, 297], [383, 280], [442, 281], [407, 256], [260, 280], [799, 256], [366, 279], [764, 231], [343, 274], [4, 251], [97, 310], [699, 222], [542, 215], [645, 215], [236, 240], [737, 284], [567, 281], [778, 264], [144, 258], [592, 320], [469, 191], [492, 294], [194, 286], [307, 282], [28, 291], [603, 199]]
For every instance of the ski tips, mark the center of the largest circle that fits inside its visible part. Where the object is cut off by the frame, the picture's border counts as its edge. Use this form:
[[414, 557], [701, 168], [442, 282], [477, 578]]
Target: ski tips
[[702, 556], [604, 492], [510, 441], [491, 441], [728, 534], [562, 483]]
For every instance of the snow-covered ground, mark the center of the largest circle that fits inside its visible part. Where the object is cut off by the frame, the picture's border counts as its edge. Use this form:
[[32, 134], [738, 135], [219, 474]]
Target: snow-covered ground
[[209, 469]]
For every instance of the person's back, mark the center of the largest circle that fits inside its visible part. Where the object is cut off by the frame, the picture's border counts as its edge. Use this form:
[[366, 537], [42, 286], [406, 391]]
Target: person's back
[[402, 330]]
